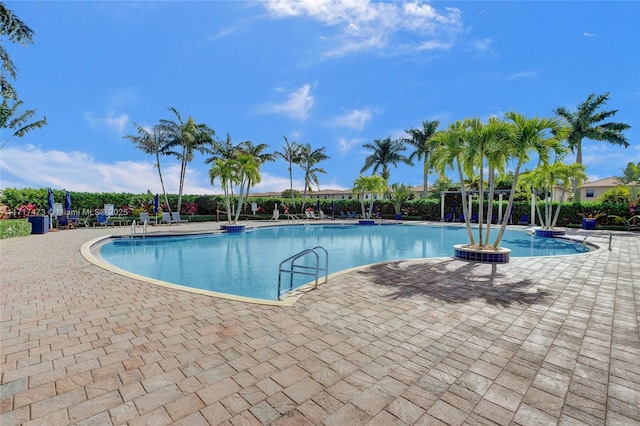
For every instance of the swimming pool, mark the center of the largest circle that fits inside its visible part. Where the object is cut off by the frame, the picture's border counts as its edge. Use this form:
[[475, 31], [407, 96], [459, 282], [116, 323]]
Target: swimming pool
[[246, 264]]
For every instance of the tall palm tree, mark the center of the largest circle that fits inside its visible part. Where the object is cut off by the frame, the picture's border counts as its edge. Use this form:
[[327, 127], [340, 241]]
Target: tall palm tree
[[17, 32], [419, 138], [630, 174], [386, 152], [291, 154], [308, 159], [224, 150], [448, 148], [186, 137], [17, 121], [153, 143], [239, 172], [540, 136], [587, 123]]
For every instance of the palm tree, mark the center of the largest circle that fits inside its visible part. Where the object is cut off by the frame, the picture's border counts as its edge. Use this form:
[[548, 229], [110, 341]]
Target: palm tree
[[368, 185], [187, 136], [386, 152], [152, 143], [18, 32], [545, 178], [224, 150], [542, 136], [15, 121], [583, 124], [630, 174], [291, 154], [308, 158], [419, 138], [256, 152], [447, 149], [240, 171]]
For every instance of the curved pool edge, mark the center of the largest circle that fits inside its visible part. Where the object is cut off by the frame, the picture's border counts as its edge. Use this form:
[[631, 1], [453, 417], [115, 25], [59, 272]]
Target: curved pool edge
[[88, 248]]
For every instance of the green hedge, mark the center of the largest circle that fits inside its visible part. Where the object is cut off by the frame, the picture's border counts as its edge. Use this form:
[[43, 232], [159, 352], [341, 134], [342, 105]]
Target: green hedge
[[14, 228]]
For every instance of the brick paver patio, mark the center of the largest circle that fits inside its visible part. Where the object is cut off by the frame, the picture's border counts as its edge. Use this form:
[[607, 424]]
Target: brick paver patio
[[437, 341]]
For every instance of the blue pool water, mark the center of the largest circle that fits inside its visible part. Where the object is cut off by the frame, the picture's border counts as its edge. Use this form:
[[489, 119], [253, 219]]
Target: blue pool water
[[246, 264]]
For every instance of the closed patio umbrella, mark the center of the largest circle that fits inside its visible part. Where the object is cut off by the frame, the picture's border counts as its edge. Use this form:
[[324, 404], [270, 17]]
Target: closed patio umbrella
[[50, 201], [333, 208], [67, 202], [318, 205]]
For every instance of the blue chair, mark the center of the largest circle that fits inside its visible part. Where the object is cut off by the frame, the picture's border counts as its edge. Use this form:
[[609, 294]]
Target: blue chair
[[103, 220], [474, 218], [524, 220], [342, 215], [447, 218]]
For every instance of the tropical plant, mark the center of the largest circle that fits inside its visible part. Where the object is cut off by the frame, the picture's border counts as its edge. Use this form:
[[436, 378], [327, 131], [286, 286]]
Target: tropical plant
[[469, 146], [17, 122], [240, 173], [291, 154], [151, 142], [630, 174], [224, 150], [371, 186], [386, 152], [17, 32], [185, 137], [542, 136], [399, 193], [586, 123], [545, 179], [308, 159], [419, 138]]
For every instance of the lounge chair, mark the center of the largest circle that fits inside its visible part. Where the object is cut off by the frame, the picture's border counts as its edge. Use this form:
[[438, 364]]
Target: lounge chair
[[447, 218], [342, 215], [177, 219], [74, 221], [352, 215], [166, 218], [474, 218], [103, 220], [322, 216], [63, 222], [313, 216], [460, 218], [524, 220], [144, 218], [276, 214]]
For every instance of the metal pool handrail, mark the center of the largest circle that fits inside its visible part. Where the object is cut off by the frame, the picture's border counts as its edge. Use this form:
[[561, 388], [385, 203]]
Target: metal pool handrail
[[302, 269]]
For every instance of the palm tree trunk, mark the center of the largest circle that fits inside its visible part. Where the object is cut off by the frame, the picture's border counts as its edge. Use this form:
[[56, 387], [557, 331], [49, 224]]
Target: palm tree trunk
[[490, 203], [183, 172], [467, 220], [512, 194], [555, 218], [425, 190], [164, 191]]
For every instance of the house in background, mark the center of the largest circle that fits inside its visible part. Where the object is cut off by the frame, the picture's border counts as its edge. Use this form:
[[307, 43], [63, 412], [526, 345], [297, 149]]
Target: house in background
[[591, 191]]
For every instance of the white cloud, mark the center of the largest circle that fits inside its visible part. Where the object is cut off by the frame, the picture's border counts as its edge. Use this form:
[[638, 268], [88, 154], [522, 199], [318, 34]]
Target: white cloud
[[297, 105], [355, 119], [371, 25], [586, 34], [109, 120], [522, 74], [482, 46], [79, 172], [346, 145]]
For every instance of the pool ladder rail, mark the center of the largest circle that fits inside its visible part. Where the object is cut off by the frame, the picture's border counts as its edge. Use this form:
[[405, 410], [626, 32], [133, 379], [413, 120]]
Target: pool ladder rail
[[290, 266], [597, 234], [134, 226]]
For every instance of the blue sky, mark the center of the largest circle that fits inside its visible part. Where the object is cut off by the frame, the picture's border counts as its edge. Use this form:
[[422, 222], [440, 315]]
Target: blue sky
[[329, 73]]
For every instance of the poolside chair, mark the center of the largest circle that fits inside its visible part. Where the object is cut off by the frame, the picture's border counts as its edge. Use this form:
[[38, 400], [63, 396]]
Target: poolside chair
[[276, 214], [74, 221], [322, 215], [63, 222], [352, 215], [460, 218], [524, 220], [103, 220], [447, 218], [177, 219], [313, 216], [342, 215], [166, 218], [144, 218], [474, 218]]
